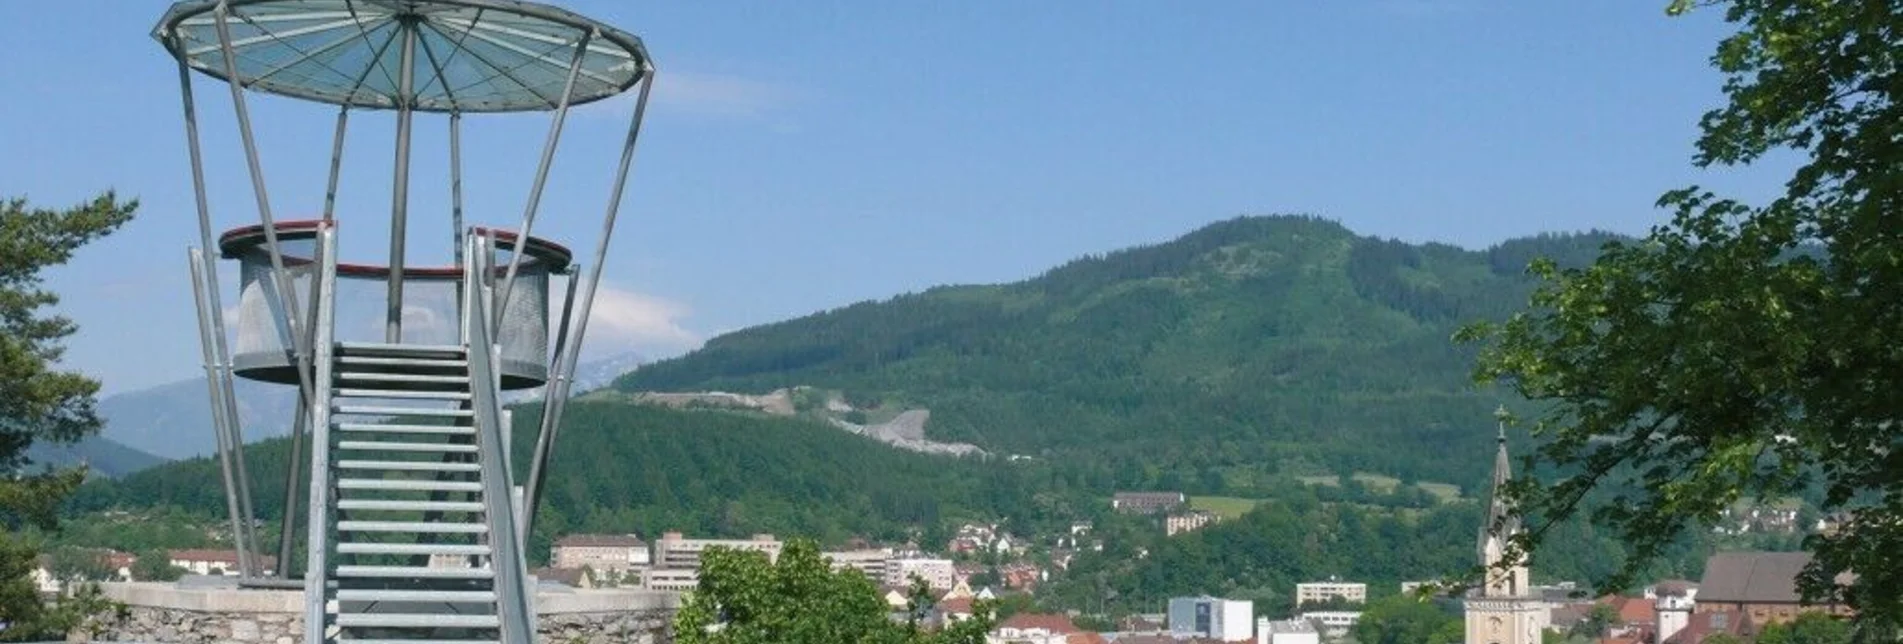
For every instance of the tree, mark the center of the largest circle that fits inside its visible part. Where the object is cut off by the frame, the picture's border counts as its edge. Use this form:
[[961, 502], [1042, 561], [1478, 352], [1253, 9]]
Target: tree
[[155, 565], [81, 564], [1597, 620], [744, 598], [1401, 619], [38, 403], [1808, 628], [1743, 351]]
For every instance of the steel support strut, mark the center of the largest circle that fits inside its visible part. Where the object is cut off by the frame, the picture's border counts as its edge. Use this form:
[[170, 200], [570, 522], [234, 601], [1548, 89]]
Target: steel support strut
[[554, 402], [219, 421], [400, 180], [541, 180], [220, 375]]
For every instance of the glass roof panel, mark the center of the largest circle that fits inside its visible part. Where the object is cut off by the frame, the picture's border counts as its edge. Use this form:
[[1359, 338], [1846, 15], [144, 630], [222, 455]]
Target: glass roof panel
[[467, 55]]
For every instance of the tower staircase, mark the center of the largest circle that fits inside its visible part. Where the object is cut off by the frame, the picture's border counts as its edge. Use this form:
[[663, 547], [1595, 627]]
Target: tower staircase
[[413, 530]]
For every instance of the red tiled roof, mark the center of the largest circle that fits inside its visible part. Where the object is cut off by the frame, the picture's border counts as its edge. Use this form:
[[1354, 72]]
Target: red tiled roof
[[1052, 623], [1635, 611], [957, 606]]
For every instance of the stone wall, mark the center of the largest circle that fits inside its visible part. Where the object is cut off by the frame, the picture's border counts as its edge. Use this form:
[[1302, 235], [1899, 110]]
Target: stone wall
[[156, 612]]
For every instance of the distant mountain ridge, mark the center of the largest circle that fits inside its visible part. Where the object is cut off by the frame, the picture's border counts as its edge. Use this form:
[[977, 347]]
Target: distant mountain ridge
[[173, 420], [1247, 349]]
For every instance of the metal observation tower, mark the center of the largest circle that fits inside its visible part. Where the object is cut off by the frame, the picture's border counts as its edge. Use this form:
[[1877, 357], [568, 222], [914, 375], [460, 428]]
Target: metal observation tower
[[415, 515]]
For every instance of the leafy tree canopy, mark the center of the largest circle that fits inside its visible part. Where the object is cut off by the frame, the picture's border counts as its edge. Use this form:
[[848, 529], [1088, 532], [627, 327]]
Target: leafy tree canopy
[[37, 402], [1401, 619], [1745, 350], [744, 598]]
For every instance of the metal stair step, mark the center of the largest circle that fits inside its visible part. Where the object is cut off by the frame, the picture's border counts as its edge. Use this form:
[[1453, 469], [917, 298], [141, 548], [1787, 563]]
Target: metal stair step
[[409, 466], [404, 429], [429, 363], [389, 446], [369, 410], [447, 596], [371, 548], [375, 376], [409, 506], [412, 572], [420, 620], [386, 349], [409, 485], [412, 527], [354, 392]]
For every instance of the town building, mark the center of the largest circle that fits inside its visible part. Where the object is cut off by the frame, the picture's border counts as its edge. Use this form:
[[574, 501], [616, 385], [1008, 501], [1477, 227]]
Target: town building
[[678, 580], [1147, 502], [1293, 631], [1319, 592], [1762, 586], [1219, 619], [1673, 605], [1503, 610], [617, 553], [939, 574], [1332, 623], [1181, 522], [570, 577], [216, 562], [869, 561], [673, 550], [1034, 628]]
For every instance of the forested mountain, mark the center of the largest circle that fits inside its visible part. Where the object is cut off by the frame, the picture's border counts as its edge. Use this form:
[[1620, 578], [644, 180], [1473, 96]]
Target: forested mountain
[[1244, 351], [102, 456], [621, 467]]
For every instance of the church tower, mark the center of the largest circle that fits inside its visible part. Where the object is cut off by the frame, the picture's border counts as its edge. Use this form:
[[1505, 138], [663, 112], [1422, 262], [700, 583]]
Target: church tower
[[1503, 610]]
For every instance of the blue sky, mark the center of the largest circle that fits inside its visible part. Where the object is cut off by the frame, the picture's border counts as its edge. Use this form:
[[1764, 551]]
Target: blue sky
[[802, 156]]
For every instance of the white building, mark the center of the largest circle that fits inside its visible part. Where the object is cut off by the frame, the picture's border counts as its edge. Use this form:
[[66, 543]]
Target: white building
[[1333, 623], [1292, 631], [670, 579], [1221, 619], [216, 562], [675, 551], [939, 574], [617, 553], [871, 561], [1674, 606], [1316, 592]]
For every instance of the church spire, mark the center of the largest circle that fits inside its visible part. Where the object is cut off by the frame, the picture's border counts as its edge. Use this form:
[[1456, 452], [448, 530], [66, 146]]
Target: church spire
[[1502, 522]]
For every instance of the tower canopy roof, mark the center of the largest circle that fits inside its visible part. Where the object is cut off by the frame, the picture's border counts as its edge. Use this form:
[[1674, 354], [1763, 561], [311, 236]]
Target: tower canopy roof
[[464, 55]]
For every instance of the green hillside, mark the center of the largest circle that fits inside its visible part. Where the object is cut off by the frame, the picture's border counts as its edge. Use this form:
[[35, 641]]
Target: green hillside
[[1243, 352], [622, 467]]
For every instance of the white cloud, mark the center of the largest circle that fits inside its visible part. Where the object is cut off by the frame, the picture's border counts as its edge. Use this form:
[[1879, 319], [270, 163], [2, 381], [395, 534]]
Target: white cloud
[[706, 95], [624, 320]]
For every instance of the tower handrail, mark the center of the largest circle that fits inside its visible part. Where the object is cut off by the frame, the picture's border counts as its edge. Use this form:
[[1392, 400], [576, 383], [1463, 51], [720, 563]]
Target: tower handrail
[[319, 522], [506, 561]]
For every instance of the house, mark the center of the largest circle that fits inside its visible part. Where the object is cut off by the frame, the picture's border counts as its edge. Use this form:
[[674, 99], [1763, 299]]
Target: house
[[617, 553], [1034, 628], [1021, 576], [958, 590], [951, 611], [1760, 585], [1147, 502], [895, 597], [570, 577], [1182, 522], [1706, 624], [216, 562]]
